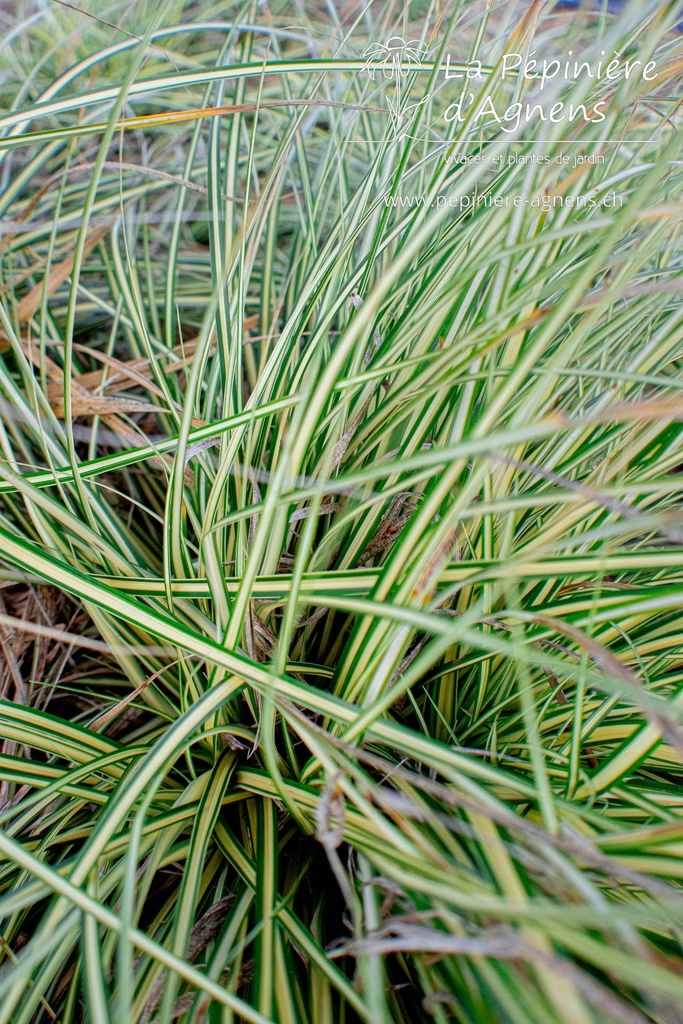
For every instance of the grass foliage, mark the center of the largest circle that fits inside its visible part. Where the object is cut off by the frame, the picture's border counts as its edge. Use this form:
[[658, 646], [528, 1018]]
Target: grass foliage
[[342, 553]]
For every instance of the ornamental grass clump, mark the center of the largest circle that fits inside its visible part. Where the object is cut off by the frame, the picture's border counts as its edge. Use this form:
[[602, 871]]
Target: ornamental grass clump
[[341, 549]]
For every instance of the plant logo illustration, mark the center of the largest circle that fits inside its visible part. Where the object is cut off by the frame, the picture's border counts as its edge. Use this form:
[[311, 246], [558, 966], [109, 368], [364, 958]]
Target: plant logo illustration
[[395, 59]]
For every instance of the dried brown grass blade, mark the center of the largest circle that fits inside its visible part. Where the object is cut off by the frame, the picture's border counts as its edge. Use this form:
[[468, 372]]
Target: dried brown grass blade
[[57, 276]]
